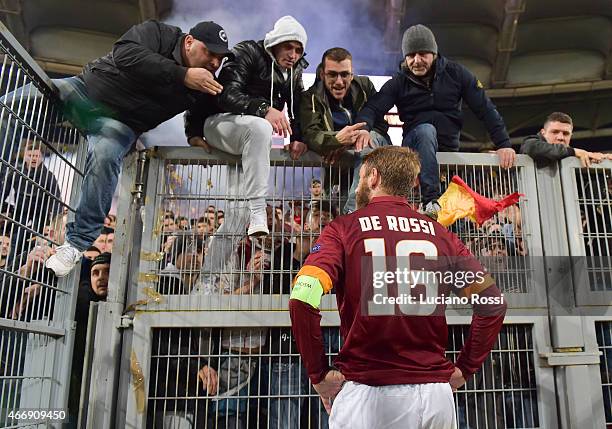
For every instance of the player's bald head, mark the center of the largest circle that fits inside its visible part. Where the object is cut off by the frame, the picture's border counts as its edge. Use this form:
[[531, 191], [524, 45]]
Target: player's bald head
[[398, 168]]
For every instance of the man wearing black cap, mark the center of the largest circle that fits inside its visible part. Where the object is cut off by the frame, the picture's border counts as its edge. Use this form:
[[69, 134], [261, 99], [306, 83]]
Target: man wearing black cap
[[153, 73], [428, 92]]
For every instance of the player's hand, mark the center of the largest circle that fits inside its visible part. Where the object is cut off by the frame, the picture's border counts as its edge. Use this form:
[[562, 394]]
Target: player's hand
[[332, 157], [347, 136], [209, 378], [363, 140], [507, 157], [279, 122], [456, 380], [296, 149], [329, 387], [202, 80]]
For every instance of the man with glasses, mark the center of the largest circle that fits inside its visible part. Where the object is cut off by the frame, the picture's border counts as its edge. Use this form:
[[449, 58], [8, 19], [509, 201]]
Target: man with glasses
[[328, 112]]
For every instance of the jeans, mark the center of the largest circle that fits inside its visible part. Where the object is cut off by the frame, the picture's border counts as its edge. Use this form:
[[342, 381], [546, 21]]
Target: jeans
[[378, 140], [288, 384], [108, 141], [423, 140]]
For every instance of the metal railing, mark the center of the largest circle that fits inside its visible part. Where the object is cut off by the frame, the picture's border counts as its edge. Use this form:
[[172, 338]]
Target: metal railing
[[40, 168]]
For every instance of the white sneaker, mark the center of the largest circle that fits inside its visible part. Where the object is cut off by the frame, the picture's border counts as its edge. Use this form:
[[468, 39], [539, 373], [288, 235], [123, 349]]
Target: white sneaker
[[432, 208], [258, 224], [65, 258]]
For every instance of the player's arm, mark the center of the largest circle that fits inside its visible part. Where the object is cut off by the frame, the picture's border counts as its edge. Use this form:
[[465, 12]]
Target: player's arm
[[487, 319], [321, 269]]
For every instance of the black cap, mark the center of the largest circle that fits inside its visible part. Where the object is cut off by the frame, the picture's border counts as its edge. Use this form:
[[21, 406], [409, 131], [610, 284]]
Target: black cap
[[213, 36], [102, 258]]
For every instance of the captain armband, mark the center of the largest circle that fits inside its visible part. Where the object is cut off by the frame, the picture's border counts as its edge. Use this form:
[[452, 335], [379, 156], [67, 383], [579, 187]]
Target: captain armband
[[307, 289]]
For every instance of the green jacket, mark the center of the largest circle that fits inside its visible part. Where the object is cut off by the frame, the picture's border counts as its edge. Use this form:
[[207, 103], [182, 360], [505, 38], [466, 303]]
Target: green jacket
[[316, 118]]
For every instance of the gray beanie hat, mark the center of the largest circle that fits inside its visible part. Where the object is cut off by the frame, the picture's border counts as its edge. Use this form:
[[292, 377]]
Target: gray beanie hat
[[418, 38]]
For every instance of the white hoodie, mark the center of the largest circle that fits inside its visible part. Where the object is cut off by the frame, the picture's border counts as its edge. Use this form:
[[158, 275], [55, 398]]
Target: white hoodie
[[285, 29]]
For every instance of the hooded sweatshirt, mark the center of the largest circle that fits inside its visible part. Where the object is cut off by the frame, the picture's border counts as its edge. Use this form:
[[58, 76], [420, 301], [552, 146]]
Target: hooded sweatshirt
[[253, 81]]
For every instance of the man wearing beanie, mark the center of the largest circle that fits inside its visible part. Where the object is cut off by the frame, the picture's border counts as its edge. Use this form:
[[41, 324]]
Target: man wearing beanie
[[154, 72], [263, 77], [428, 92]]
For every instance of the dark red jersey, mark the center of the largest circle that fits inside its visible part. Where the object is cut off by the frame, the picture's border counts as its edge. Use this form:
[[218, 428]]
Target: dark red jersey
[[375, 259]]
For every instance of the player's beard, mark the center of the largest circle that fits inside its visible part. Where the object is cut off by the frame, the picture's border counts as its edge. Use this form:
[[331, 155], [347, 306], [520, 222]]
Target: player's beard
[[362, 195]]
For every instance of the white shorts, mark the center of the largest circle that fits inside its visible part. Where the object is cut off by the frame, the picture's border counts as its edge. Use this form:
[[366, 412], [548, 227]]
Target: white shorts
[[414, 406]]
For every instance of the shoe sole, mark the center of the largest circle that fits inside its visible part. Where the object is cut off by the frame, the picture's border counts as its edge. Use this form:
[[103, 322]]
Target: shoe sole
[[259, 233]]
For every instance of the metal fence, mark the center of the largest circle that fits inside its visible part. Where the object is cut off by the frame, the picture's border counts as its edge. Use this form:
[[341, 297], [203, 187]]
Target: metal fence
[[201, 265], [41, 155]]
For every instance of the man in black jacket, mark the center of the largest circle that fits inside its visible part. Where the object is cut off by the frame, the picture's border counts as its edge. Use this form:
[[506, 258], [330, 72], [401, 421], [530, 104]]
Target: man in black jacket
[[328, 110], [553, 143], [154, 72], [262, 78], [428, 92]]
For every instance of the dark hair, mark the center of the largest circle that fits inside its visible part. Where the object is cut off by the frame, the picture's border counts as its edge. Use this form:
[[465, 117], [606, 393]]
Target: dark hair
[[564, 118], [106, 230], [336, 54], [314, 182]]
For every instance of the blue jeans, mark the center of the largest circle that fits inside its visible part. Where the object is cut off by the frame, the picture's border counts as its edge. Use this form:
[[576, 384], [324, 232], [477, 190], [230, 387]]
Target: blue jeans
[[288, 385], [423, 139], [108, 141], [378, 140]]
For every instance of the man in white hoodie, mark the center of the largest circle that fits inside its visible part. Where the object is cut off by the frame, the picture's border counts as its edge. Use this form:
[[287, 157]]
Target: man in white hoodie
[[263, 78]]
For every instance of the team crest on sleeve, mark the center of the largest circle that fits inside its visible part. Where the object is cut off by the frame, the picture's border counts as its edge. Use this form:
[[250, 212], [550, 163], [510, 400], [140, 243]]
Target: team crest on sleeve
[[315, 248]]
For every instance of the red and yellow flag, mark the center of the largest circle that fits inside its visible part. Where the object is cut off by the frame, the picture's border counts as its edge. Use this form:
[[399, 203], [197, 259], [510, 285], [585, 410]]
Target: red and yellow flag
[[461, 201]]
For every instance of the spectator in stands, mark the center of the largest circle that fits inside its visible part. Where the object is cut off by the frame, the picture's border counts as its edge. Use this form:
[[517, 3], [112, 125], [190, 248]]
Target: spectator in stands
[[329, 109], [168, 224], [428, 92], [552, 143], [220, 217], [88, 256], [5, 250], [262, 78], [183, 223], [204, 227], [316, 191], [92, 289], [36, 195], [154, 72], [180, 276], [105, 240], [288, 377]]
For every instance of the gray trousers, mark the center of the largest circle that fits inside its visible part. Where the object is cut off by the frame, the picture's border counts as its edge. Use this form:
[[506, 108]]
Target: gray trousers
[[248, 136], [247, 185]]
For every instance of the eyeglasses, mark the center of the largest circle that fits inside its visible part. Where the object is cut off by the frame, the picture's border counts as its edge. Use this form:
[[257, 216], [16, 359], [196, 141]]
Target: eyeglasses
[[333, 75]]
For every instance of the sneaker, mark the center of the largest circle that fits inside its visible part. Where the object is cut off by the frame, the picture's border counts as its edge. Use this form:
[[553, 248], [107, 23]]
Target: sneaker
[[258, 225], [432, 208], [63, 261]]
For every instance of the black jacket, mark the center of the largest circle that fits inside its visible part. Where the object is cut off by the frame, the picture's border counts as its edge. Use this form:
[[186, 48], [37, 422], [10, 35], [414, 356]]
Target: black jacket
[[247, 83], [316, 115], [439, 105], [544, 153], [141, 82]]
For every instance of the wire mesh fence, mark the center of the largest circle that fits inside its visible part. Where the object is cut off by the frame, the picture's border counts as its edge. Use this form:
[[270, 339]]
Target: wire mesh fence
[[198, 246], [40, 164], [254, 377]]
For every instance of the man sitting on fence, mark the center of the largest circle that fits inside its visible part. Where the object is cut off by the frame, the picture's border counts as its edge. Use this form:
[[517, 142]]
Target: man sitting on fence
[[428, 92], [552, 143], [265, 76], [154, 72]]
